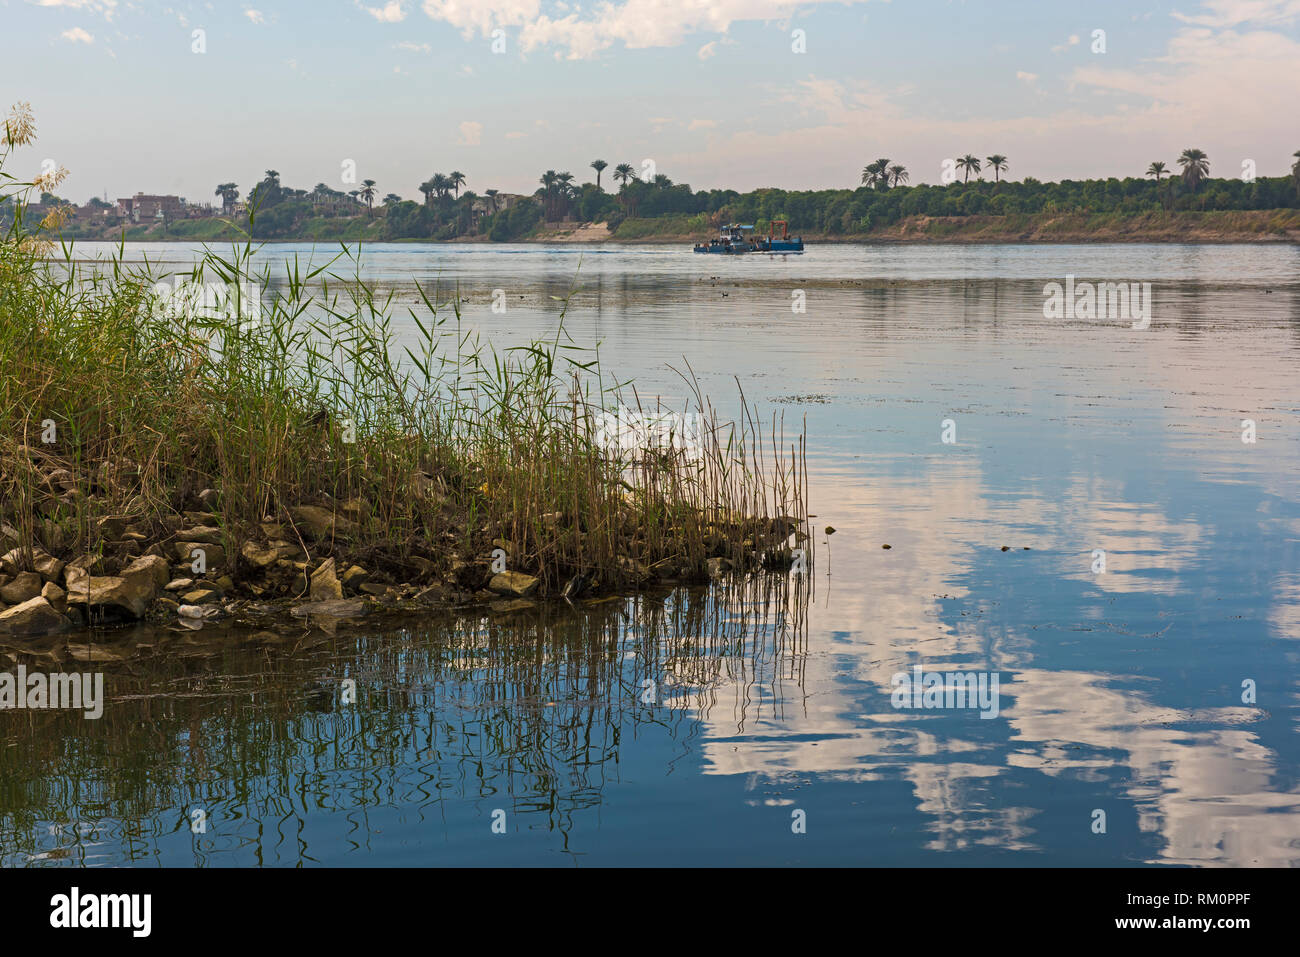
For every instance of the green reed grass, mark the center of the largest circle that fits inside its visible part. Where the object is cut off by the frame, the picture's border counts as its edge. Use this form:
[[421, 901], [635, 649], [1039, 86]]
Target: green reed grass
[[300, 393]]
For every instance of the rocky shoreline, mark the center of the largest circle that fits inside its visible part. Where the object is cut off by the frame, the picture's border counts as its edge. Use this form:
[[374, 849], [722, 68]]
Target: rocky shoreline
[[189, 569]]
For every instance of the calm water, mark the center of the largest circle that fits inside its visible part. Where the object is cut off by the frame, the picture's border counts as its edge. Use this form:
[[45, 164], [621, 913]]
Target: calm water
[[693, 727]]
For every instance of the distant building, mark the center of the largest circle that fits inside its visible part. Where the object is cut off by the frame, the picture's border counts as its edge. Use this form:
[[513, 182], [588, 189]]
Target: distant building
[[494, 204], [146, 209]]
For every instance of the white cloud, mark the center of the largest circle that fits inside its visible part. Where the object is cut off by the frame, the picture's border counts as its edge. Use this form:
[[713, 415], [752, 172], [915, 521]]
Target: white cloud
[[1231, 13], [515, 135], [634, 23], [255, 16], [105, 7], [471, 133], [702, 124], [1071, 42], [392, 12], [1030, 78], [77, 35], [708, 50], [413, 47]]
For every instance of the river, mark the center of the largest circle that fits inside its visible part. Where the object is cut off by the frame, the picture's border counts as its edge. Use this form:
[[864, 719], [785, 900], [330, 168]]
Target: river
[[1073, 508]]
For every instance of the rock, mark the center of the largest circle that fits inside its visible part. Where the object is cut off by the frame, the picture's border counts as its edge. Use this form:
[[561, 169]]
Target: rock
[[90, 564], [259, 557], [353, 577], [886, 546], [132, 591], [353, 608], [178, 584], [19, 559], [425, 567], [513, 584], [149, 568], [287, 549], [373, 588], [24, 587], [433, 595], [274, 530], [225, 583], [320, 523], [56, 596], [209, 498], [48, 567], [325, 584], [200, 518], [32, 619], [202, 595], [203, 534], [214, 556], [830, 530], [297, 575], [10, 537]]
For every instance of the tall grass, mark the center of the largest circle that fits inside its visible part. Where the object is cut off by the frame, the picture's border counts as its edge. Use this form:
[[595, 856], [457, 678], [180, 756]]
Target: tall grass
[[298, 391]]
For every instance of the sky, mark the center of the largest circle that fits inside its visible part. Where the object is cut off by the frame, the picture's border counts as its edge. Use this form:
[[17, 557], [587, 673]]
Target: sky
[[176, 97]]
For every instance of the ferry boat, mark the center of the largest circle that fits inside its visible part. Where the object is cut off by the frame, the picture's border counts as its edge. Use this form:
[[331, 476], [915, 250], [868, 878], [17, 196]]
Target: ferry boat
[[733, 240]]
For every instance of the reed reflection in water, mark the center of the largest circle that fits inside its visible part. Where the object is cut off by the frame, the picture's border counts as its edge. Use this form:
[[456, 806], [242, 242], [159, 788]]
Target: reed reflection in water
[[453, 719]]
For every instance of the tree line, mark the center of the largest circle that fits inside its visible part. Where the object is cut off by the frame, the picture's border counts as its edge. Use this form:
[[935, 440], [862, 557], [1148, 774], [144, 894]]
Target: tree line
[[883, 198]]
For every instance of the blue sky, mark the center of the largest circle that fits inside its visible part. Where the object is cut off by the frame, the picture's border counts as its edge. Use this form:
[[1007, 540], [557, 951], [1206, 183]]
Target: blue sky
[[712, 92]]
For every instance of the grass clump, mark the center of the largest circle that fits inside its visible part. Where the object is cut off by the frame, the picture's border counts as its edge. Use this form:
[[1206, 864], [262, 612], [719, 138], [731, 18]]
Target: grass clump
[[129, 397]]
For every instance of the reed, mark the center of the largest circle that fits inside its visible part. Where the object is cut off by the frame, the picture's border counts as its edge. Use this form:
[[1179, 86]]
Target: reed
[[432, 449]]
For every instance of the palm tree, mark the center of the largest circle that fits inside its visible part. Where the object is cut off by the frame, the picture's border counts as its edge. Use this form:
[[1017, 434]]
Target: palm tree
[[1157, 169], [662, 181], [598, 166], [549, 179], [456, 180], [624, 173], [874, 174], [969, 163], [427, 189], [1295, 170], [564, 191], [1196, 167], [273, 177], [997, 163], [368, 194], [228, 193], [441, 184], [897, 174], [492, 198], [392, 199]]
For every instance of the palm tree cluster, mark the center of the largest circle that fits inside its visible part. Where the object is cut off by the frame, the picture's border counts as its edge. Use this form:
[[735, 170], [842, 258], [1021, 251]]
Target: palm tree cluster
[[557, 192], [439, 185], [881, 175]]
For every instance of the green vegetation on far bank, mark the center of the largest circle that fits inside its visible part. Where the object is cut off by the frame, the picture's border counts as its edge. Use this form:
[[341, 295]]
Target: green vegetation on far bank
[[650, 205]]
